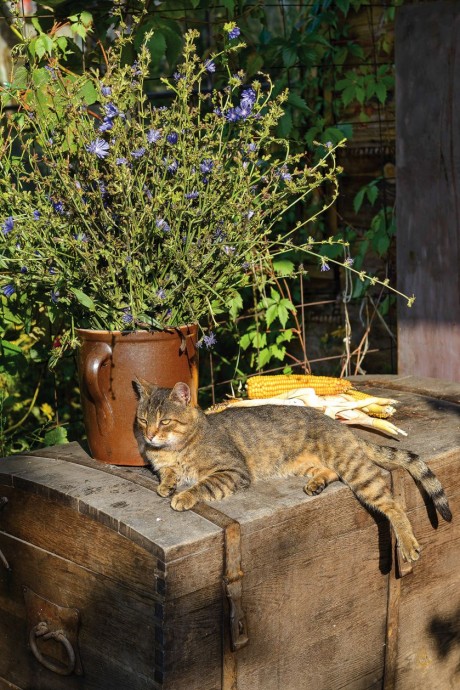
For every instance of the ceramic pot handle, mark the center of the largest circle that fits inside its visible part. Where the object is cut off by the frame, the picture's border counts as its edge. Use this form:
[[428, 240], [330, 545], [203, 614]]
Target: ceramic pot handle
[[99, 356]]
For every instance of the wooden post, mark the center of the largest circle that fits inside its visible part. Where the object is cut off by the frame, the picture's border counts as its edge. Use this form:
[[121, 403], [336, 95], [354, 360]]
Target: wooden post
[[428, 188]]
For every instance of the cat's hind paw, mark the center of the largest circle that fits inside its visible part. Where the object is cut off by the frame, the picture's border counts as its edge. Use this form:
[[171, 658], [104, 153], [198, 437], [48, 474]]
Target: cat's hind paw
[[409, 548], [315, 486], [183, 501]]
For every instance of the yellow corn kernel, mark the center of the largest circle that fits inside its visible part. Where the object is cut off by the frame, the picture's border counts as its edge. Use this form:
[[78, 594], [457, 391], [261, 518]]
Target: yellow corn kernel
[[382, 410], [268, 386]]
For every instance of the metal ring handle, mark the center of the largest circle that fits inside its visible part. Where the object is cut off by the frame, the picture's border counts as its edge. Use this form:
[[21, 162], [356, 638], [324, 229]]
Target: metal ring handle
[[42, 630]]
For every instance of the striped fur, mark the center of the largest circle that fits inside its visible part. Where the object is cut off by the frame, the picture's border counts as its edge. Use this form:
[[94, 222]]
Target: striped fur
[[221, 453]]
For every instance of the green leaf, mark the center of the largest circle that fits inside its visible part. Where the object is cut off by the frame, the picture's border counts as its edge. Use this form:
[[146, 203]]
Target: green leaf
[[88, 93], [297, 102], [10, 349], [229, 5], [284, 126], [235, 305], [21, 77], [358, 200], [372, 193], [289, 55], [283, 314], [157, 47], [271, 314], [56, 436], [283, 267], [40, 46], [381, 91], [264, 357], [83, 299]]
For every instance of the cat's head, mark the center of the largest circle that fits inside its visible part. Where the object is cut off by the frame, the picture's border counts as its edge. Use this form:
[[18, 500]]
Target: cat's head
[[164, 416]]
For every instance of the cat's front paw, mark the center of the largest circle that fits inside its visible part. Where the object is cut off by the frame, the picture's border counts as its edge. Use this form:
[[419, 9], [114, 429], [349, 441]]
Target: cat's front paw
[[165, 489], [183, 501]]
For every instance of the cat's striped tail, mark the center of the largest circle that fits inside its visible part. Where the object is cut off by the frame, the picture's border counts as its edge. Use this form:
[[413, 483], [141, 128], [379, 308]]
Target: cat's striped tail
[[390, 458]]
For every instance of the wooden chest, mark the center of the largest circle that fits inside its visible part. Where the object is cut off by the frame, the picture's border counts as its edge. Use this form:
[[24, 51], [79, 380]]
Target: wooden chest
[[104, 587]]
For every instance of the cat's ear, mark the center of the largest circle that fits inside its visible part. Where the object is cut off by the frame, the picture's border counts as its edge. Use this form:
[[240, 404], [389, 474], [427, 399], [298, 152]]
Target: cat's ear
[[181, 393], [142, 387]]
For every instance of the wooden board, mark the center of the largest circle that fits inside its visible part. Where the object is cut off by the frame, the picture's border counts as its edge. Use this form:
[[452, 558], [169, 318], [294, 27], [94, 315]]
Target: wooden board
[[428, 187]]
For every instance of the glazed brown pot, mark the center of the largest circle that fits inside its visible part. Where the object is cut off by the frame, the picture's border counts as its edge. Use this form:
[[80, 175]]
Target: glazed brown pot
[[108, 361]]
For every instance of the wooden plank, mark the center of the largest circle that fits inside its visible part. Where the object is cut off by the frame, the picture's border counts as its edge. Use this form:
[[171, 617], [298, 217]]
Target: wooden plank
[[428, 187], [133, 510]]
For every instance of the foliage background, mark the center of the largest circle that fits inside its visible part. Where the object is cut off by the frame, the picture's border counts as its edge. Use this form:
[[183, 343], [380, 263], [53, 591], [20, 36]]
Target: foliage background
[[337, 60]]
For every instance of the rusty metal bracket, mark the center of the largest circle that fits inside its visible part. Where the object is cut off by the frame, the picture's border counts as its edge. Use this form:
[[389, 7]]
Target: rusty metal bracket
[[60, 624]]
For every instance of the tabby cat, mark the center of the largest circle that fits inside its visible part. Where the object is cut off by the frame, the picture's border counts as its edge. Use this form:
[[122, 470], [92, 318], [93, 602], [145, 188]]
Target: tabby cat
[[221, 453]]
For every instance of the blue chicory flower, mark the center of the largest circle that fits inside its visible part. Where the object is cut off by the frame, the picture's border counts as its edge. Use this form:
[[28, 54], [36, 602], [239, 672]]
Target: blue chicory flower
[[172, 138], [232, 115], [106, 90], [36, 215], [58, 207], [8, 225], [8, 290], [111, 111], [161, 294], [234, 33], [106, 125], [210, 66], [127, 316], [99, 147], [162, 225], [138, 153], [206, 165], [325, 266], [153, 135], [192, 195], [121, 161]]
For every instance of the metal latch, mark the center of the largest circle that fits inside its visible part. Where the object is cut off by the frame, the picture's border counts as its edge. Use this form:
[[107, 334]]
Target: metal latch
[[238, 630]]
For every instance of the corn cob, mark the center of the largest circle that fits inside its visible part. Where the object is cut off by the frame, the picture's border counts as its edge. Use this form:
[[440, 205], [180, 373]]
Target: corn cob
[[269, 386], [383, 409]]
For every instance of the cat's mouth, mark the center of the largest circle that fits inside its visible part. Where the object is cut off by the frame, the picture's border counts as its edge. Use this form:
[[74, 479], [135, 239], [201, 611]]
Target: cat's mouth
[[155, 442]]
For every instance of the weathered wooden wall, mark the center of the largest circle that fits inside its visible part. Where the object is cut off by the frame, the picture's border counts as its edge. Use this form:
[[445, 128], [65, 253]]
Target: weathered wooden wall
[[428, 187]]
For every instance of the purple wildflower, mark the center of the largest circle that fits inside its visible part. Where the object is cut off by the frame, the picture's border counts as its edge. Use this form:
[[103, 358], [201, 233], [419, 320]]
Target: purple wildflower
[[192, 195], [52, 270], [135, 69], [148, 193], [161, 224], [249, 95], [24, 269], [8, 290], [206, 166], [228, 250], [161, 294], [232, 115], [58, 207], [36, 215], [54, 296], [244, 109], [234, 33], [138, 153], [285, 174], [107, 123], [172, 167], [207, 340], [172, 138], [153, 135], [106, 91], [121, 161], [111, 111], [177, 76], [8, 225], [252, 147], [99, 147], [127, 316], [81, 237], [210, 66], [325, 266], [348, 261], [52, 71]]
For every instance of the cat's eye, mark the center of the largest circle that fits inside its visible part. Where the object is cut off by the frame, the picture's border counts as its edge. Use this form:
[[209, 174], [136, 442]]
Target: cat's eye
[[141, 420], [165, 422]]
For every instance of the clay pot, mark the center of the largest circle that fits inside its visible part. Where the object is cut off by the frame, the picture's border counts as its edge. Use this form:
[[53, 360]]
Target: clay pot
[[108, 361]]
